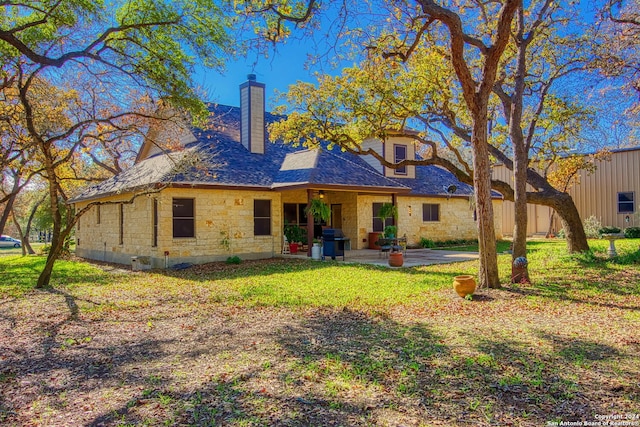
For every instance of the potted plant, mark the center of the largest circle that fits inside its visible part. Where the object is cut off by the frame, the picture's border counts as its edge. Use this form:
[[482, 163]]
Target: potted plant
[[390, 231], [294, 235], [387, 210]]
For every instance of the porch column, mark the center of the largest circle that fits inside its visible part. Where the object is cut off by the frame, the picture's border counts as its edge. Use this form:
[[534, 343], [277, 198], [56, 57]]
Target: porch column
[[394, 202], [310, 223]]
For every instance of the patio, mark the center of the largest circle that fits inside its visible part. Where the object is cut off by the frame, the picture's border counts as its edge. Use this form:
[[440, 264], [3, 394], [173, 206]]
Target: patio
[[412, 257]]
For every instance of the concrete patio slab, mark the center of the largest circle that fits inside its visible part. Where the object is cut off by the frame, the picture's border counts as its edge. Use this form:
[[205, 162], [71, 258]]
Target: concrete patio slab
[[412, 258]]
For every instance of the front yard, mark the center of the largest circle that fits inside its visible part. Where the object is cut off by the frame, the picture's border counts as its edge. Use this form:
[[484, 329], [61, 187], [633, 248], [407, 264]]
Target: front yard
[[299, 343]]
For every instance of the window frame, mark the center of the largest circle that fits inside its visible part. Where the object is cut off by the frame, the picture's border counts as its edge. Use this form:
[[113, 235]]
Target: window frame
[[430, 216], [378, 226], [301, 218], [397, 159], [188, 219], [631, 202], [262, 220]]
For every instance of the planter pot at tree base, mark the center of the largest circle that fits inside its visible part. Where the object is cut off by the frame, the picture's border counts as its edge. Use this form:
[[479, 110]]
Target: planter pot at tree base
[[464, 285], [395, 259]]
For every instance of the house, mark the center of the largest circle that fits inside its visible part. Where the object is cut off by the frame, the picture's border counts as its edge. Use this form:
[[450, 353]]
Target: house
[[228, 191], [610, 194]]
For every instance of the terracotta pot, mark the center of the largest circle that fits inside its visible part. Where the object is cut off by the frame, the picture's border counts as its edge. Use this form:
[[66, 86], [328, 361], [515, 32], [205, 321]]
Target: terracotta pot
[[373, 238], [395, 259], [464, 285]]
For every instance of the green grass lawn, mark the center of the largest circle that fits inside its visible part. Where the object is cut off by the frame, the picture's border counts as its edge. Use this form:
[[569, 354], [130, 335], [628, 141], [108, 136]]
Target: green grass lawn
[[289, 342]]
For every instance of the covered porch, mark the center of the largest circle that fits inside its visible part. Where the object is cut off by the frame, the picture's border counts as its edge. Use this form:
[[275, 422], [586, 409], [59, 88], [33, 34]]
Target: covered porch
[[352, 211]]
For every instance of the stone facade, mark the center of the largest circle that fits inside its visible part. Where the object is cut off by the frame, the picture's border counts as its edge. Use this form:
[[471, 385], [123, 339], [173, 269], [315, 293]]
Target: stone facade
[[224, 221], [456, 219], [223, 227]]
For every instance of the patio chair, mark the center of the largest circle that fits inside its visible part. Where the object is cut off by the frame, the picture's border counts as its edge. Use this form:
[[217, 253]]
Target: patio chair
[[385, 247]]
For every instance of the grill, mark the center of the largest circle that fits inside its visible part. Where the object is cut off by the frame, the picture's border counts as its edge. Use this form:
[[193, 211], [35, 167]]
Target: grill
[[334, 242]]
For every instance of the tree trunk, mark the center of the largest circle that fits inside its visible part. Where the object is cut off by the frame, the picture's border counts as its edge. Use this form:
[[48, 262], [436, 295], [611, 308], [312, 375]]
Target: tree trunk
[[551, 219], [56, 240], [519, 273], [566, 209], [488, 269], [572, 224], [27, 230], [8, 207], [24, 235]]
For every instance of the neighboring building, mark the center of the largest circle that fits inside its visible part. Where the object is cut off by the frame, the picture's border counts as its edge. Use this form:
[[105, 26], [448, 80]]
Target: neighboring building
[[610, 194], [228, 191]]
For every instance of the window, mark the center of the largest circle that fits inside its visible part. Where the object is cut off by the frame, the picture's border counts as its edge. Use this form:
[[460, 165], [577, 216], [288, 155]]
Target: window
[[121, 225], [626, 202], [97, 214], [400, 154], [262, 217], [183, 219], [430, 212], [377, 221], [294, 213], [154, 239]]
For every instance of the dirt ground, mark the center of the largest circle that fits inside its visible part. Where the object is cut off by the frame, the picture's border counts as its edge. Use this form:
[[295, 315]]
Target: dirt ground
[[504, 359]]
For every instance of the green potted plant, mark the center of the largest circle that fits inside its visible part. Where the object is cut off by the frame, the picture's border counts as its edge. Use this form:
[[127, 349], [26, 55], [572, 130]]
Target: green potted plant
[[295, 236], [390, 231]]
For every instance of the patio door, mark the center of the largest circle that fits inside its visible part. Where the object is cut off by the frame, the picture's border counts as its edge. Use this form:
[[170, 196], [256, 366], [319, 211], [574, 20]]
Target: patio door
[[336, 216]]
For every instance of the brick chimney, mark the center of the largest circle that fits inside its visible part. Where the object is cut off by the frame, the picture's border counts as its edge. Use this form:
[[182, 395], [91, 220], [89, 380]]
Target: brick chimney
[[252, 104]]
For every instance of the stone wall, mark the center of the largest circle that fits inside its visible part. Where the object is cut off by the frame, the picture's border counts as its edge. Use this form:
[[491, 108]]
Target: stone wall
[[456, 219], [365, 216], [223, 228], [224, 224]]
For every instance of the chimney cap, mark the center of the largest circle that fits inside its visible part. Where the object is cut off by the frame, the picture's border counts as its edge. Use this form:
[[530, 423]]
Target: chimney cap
[[251, 77]]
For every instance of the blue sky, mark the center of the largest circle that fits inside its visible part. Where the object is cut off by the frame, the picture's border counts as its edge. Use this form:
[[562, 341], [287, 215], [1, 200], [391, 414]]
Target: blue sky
[[281, 69]]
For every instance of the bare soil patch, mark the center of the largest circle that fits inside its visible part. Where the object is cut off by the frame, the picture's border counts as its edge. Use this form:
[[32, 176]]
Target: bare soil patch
[[523, 355]]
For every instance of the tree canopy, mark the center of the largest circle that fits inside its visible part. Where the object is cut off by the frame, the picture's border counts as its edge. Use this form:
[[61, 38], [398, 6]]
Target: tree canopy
[[106, 65], [411, 80]]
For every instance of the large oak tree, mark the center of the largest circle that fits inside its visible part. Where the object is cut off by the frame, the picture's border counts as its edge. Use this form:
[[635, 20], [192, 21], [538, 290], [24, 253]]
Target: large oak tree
[[103, 52]]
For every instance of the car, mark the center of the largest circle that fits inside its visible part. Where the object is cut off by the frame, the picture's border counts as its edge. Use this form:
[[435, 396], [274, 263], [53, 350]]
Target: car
[[9, 242]]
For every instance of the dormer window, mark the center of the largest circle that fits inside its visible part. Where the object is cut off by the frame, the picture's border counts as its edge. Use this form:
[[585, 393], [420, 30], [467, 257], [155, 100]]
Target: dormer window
[[400, 154]]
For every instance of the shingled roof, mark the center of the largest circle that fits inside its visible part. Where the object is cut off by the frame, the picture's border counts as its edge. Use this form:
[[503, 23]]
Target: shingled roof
[[218, 159]]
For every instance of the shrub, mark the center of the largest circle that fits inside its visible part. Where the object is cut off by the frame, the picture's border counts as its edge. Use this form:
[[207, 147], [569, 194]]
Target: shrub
[[562, 234], [632, 233], [234, 260], [427, 243], [591, 226], [609, 230]]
